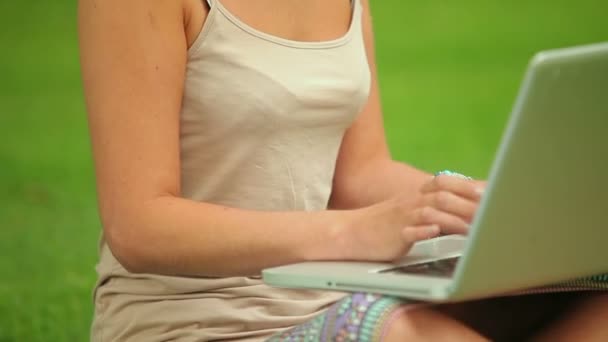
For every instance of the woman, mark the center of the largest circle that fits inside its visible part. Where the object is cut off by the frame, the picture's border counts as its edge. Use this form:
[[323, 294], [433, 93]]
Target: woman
[[230, 136]]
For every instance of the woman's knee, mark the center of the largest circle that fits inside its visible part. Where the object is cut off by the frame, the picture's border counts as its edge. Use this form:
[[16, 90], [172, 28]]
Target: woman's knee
[[585, 321], [426, 324]]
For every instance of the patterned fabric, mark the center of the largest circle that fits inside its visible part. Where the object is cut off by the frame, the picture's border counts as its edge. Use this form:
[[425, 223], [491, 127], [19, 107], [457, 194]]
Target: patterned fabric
[[359, 317], [594, 283]]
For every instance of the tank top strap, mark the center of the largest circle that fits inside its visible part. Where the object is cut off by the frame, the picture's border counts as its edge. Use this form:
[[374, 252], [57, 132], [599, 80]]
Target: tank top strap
[[356, 12], [210, 3]]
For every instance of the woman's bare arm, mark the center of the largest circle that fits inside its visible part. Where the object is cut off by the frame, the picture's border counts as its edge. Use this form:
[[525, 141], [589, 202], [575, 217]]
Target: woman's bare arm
[[365, 172], [133, 57]]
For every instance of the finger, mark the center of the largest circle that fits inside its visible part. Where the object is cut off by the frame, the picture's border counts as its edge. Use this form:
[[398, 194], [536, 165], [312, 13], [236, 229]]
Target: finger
[[449, 224], [419, 233], [463, 187], [451, 203], [413, 234], [480, 186]]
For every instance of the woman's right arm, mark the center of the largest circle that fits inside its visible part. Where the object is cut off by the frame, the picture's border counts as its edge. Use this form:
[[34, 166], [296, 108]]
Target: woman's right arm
[[133, 55]]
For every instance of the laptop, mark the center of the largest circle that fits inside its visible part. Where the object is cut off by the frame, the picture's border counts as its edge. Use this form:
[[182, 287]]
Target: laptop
[[544, 216]]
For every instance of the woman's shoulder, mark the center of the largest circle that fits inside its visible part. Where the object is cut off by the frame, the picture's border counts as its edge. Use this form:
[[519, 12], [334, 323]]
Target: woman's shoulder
[[145, 15]]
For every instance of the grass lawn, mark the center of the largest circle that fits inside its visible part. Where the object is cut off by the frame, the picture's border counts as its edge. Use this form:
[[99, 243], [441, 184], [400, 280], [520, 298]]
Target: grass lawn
[[449, 72]]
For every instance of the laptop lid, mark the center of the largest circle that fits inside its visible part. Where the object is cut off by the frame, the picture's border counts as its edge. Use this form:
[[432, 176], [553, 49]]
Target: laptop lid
[[544, 218]]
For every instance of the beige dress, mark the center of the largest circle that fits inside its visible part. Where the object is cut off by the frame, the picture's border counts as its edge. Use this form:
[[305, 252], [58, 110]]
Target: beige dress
[[261, 124]]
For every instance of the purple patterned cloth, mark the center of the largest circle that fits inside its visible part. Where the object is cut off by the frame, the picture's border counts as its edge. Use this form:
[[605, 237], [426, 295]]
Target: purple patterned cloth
[[359, 317]]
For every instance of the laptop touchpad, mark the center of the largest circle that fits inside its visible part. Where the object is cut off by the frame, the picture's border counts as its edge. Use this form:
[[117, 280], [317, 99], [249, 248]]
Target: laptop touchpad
[[434, 257], [435, 248]]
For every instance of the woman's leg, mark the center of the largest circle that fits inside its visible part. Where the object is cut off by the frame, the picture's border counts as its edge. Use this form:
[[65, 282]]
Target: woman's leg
[[586, 321], [511, 318], [424, 323], [366, 318]]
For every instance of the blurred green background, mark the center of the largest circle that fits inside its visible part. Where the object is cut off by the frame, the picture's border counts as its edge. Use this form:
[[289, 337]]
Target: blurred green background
[[449, 72]]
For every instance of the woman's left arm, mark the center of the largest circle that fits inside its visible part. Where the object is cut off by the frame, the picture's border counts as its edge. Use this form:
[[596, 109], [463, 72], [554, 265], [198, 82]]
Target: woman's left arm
[[365, 172]]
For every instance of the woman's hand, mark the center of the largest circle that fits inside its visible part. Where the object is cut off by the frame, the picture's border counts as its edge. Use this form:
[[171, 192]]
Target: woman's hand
[[451, 201], [386, 231]]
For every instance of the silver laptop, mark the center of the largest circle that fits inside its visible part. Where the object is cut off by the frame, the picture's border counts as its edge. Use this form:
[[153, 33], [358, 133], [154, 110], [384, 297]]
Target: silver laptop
[[544, 216]]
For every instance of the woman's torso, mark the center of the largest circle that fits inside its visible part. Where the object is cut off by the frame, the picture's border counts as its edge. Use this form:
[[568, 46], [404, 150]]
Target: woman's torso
[[262, 120]]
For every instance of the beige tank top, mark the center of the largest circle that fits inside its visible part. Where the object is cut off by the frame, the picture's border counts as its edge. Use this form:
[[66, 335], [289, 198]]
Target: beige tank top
[[261, 124]]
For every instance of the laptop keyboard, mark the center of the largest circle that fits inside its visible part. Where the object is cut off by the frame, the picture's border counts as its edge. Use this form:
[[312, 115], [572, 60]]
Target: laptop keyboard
[[443, 268]]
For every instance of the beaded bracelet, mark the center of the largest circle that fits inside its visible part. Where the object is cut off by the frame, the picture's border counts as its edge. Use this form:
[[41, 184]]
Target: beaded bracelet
[[452, 173]]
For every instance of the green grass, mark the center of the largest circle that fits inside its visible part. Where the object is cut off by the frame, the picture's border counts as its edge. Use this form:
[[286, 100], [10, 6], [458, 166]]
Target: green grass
[[449, 73]]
